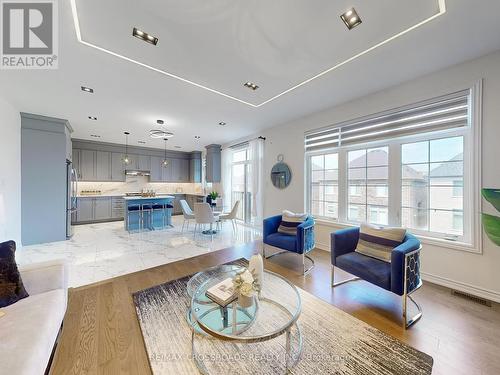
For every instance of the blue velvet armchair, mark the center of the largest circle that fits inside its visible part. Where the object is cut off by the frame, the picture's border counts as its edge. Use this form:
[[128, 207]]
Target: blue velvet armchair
[[300, 244], [401, 276]]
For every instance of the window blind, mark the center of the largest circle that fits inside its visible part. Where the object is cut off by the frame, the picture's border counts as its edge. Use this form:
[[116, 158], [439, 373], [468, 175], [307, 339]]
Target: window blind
[[445, 112]]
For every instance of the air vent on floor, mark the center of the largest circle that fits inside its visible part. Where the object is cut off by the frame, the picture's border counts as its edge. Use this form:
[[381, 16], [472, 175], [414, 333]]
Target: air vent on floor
[[472, 298]]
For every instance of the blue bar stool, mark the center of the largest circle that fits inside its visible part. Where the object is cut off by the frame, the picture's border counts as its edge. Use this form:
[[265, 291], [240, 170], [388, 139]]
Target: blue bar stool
[[134, 209], [159, 207], [147, 208], [168, 213]]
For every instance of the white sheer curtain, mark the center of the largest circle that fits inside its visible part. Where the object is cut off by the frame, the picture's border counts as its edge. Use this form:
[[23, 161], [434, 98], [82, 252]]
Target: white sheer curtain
[[256, 148], [226, 178]]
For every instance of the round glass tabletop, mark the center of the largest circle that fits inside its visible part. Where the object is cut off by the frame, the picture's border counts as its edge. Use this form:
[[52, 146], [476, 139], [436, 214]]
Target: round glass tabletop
[[274, 311]]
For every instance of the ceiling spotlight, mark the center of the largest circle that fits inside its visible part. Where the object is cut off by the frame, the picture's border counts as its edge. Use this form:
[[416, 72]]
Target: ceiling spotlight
[[251, 86], [177, 146], [95, 136], [222, 123], [87, 89], [141, 142], [93, 118], [157, 133], [197, 137], [351, 18], [160, 122], [144, 36]]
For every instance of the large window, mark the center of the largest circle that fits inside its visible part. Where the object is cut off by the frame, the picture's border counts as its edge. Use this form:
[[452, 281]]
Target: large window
[[368, 173], [324, 185], [410, 167], [432, 185]]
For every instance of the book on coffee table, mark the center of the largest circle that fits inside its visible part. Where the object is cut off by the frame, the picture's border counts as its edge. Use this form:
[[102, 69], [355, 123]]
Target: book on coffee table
[[222, 293]]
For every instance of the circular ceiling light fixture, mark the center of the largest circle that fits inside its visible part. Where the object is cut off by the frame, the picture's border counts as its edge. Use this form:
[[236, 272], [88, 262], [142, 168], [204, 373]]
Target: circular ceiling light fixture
[[160, 122], [160, 134], [222, 123]]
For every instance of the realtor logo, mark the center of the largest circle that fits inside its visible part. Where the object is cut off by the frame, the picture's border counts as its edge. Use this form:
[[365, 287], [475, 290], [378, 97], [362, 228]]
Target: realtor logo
[[29, 34]]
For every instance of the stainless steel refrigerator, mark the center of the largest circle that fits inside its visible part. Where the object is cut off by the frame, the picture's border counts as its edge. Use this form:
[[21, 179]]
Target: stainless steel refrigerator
[[71, 201]]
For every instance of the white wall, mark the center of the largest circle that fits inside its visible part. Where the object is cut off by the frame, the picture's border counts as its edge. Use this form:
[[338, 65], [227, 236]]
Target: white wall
[[10, 173], [474, 273]]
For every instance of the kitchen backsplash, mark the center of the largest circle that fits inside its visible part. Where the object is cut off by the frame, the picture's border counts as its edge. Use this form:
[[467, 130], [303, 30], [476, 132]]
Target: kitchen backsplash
[[137, 184]]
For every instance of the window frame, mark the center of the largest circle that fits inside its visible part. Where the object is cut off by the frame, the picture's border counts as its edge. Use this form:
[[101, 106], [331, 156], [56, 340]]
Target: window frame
[[308, 184], [472, 235]]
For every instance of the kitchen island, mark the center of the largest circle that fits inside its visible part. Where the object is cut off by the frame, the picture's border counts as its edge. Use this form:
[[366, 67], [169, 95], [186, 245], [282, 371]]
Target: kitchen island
[[148, 212]]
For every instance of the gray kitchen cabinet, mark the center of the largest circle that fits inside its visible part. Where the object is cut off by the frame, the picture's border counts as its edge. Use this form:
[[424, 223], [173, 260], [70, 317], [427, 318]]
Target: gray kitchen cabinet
[[98, 209], [184, 170], [140, 162], [85, 209], [76, 162], [167, 172], [87, 165], [144, 163], [195, 168], [117, 167], [177, 210], [156, 169], [180, 170], [213, 163], [102, 166], [117, 208], [102, 208]]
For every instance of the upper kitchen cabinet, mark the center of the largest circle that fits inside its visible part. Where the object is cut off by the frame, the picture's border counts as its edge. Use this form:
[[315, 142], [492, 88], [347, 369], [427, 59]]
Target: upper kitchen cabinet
[[117, 167], [76, 162], [95, 161], [156, 169], [180, 170], [102, 166], [87, 165], [213, 168], [195, 167], [140, 162]]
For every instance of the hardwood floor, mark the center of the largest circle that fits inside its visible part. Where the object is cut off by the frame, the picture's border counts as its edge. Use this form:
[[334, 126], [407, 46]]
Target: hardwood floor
[[101, 334]]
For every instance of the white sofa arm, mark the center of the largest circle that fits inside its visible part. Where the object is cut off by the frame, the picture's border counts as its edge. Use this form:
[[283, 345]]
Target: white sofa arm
[[44, 276]]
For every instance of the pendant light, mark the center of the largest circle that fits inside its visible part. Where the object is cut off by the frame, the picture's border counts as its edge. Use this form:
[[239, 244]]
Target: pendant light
[[164, 163], [126, 159]]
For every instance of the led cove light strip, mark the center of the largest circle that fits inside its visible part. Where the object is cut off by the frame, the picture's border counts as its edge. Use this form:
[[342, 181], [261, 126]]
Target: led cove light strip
[[442, 10]]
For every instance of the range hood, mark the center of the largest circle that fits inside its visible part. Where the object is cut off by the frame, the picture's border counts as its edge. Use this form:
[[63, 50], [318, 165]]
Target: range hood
[[135, 172]]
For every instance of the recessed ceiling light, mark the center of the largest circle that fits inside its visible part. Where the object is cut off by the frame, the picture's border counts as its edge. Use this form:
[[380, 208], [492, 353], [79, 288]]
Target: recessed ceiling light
[[197, 137], [88, 89], [160, 122], [222, 123], [177, 146], [95, 136], [251, 85], [93, 118], [351, 18], [141, 142], [144, 36], [157, 133]]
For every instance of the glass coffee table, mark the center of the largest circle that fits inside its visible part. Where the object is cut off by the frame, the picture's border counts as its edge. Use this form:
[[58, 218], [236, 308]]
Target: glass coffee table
[[274, 313]]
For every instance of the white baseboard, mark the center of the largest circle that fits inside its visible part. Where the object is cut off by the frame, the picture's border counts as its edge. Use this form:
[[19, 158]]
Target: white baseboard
[[490, 295], [322, 246]]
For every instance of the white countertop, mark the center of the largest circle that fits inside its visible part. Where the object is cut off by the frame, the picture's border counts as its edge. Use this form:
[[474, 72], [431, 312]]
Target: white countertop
[[123, 195], [156, 197]]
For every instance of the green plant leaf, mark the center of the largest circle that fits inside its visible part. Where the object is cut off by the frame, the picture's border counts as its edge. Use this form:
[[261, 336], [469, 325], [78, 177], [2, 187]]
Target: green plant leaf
[[491, 226], [492, 196]]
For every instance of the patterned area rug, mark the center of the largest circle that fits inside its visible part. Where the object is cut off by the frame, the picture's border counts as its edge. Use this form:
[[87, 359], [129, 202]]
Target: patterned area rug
[[333, 341]]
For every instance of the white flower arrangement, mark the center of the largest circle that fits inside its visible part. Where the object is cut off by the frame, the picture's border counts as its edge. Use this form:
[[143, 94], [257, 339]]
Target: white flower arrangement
[[246, 284]]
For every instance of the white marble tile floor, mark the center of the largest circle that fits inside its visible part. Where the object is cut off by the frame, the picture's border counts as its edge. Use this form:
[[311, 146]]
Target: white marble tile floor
[[101, 251]]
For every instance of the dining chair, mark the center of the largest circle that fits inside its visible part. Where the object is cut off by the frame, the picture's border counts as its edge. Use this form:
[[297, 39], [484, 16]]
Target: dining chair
[[231, 215], [187, 212], [203, 215]]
